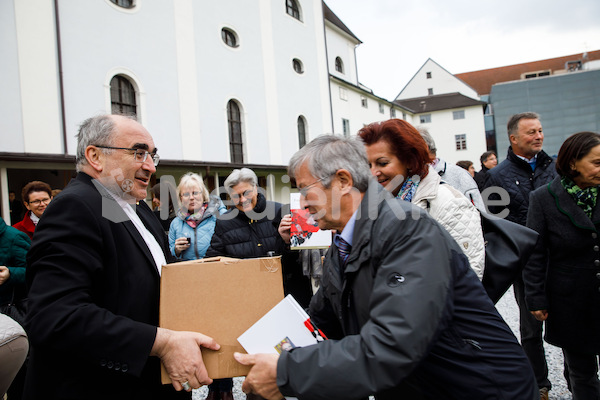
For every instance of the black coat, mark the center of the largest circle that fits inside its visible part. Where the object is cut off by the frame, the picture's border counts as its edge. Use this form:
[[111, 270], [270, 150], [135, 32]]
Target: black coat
[[410, 315], [93, 301], [516, 177], [564, 278], [237, 235], [481, 178]]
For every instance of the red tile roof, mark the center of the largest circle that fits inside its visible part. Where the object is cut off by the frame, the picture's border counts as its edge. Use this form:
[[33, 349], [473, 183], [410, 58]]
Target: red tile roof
[[483, 80]]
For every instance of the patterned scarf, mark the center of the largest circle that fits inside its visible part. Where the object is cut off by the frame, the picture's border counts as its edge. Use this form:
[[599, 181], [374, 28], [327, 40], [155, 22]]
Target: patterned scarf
[[193, 219], [585, 198], [408, 189]]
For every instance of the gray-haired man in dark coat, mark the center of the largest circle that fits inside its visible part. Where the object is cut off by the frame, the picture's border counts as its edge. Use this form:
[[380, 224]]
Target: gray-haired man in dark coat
[[405, 314]]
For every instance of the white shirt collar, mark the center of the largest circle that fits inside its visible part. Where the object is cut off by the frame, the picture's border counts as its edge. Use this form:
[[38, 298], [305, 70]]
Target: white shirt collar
[[149, 239]]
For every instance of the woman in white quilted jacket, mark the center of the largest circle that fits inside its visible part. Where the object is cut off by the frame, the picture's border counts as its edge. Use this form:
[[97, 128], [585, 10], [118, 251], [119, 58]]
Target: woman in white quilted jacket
[[399, 159]]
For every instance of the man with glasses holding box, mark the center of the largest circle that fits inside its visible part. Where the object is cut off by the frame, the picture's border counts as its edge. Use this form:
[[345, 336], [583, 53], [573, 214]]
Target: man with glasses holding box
[[36, 196], [93, 277]]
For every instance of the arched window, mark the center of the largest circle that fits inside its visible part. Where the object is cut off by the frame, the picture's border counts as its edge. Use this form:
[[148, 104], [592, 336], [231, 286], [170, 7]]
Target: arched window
[[291, 7], [301, 131], [229, 37], [124, 3], [234, 122], [122, 96], [339, 65]]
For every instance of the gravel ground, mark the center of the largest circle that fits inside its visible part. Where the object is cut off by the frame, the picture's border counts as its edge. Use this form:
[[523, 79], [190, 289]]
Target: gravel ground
[[509, 311]]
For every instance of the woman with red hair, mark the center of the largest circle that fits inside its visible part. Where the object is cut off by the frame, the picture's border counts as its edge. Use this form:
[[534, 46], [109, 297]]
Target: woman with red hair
[[399, 159]]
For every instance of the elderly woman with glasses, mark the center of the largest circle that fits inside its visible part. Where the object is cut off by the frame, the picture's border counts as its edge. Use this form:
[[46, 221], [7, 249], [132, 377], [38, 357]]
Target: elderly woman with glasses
[[191, 231]]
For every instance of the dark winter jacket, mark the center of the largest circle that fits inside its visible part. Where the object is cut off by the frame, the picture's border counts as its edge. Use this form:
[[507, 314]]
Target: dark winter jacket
[[516, 177], [481, 177], [14, 246], [237, 235], [411, 318], [564, 278]]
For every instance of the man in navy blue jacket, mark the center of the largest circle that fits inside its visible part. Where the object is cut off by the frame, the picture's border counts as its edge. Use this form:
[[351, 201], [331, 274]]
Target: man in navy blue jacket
[[526, 168]]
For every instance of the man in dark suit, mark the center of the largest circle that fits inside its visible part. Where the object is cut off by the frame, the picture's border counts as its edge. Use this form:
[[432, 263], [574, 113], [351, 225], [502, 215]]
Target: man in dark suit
[[93, 276]]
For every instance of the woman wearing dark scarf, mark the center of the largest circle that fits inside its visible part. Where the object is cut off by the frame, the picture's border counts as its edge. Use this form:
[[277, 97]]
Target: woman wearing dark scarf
[[562, 279], [192, 230], [399, 159]]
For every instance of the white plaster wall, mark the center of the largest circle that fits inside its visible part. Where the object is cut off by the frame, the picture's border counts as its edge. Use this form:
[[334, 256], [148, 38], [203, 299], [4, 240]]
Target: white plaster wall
[[225, 73], [441, 82], [340, 45], [443, 128], [304, 94], [353, 111], [97, 39], [185, 73], [38, 72], [11, 120], [260, 76]]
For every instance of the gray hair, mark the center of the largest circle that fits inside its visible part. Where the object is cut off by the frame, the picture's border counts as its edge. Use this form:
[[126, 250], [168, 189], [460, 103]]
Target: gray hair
[[97, 130], [327, 154], [513, 123], [428, 139], [240, 175], [193, 179]]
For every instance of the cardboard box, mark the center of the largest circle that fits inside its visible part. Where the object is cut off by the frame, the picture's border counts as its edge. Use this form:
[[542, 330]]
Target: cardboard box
[[220, 297]]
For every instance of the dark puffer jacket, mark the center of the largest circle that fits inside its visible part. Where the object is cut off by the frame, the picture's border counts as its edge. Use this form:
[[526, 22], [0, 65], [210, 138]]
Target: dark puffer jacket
[[14, 246], [516, 177], [481, 177], [237, 235]]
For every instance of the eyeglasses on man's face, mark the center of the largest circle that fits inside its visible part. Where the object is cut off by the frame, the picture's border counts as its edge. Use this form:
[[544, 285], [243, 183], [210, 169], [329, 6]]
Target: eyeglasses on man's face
[[304, 191], [139, 155], [39, 201]]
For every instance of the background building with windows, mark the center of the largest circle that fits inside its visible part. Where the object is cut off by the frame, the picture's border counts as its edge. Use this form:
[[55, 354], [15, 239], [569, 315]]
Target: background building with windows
[[232, 83], [563, 90], [449, 109], [219, 86], [353, 105]]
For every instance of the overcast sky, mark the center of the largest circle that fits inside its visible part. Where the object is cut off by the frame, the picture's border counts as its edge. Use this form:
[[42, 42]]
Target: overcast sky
[[462, 35]]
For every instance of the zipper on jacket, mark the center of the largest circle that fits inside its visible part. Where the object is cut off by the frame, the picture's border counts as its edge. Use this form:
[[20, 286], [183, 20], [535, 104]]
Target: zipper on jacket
[[196, 243]]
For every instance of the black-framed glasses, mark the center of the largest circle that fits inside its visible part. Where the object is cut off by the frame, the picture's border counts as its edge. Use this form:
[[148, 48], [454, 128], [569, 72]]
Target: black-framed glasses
[[139, 155], [38, 202]]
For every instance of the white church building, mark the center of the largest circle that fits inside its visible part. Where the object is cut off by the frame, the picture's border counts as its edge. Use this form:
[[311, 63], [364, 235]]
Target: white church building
[[219, 85]]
